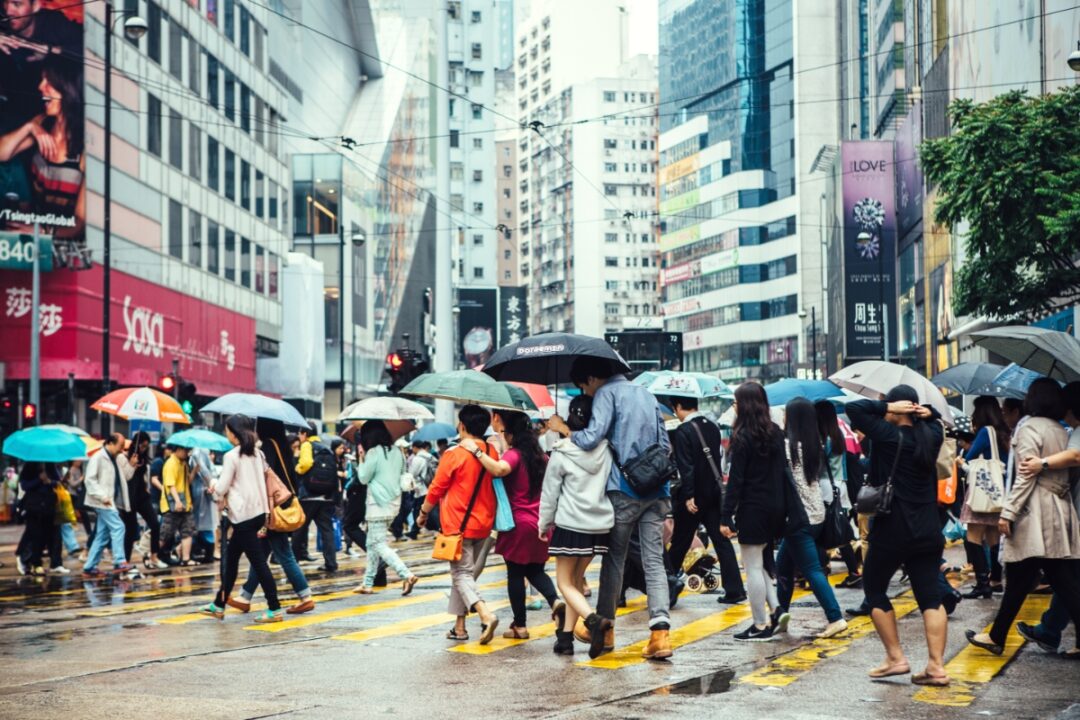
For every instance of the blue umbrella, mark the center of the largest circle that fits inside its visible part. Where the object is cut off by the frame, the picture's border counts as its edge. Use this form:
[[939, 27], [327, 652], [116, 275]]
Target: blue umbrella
[[199, 438], [256, 406], [1013, 382], [813, 390], [682, 384], [435, 431], [45, 444], [968, 378]]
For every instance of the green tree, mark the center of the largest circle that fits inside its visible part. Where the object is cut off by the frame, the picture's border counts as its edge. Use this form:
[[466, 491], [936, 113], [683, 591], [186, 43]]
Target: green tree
[[1011, 169]]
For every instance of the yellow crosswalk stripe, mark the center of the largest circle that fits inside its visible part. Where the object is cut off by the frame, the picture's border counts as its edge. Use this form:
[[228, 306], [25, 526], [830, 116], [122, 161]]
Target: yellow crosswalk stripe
[[307, 620], [405, 627], [691, 632], [126, 608], [974, 667], [792, 665]]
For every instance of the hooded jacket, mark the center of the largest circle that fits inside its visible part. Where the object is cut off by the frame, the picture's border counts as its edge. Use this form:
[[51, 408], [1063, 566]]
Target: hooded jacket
[[575, 489]]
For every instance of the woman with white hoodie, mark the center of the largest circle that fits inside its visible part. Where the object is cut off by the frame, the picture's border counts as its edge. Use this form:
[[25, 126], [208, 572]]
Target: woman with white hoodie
[[577, 515]]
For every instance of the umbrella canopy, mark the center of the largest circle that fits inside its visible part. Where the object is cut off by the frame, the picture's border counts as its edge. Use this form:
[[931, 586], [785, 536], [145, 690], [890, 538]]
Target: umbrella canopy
[[396, 428], [385, 408], [142, 403], [200, 438], [727, 418], [539, 394], [469, 386], [546, 358], [969, 378], [1048, 352], [683, 384], [92, 443], [781, 392], [45, 444], [1014, 381], [256, 406], [872, 378], [433, 432]]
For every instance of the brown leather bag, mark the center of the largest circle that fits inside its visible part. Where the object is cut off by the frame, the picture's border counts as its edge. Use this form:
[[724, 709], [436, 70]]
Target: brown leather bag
[[286, 513]]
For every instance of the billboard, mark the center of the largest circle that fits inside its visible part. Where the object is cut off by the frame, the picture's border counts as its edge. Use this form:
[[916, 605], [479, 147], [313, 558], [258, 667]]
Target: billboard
[[513, 314], [869, 226], [909, 178], [477, 319], [42, 128]]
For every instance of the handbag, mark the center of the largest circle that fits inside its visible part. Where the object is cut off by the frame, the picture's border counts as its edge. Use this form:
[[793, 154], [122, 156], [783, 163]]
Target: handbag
[[448, 545], [408, 482], [836, 531], [648, 472], [946, 487], [504, 514], [877, 499], [987, 479], [717, 475], [286, 513]]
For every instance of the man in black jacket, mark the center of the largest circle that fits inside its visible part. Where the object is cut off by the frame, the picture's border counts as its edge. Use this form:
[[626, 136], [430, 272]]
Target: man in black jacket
[[698, 454]]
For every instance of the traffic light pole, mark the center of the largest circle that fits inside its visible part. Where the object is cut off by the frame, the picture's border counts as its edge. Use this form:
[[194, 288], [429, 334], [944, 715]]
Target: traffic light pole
[[35, 325]]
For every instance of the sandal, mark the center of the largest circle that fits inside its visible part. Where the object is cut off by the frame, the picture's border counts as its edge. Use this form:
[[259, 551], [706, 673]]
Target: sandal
[[456, 636], [487, 632], [516, 633], [930, 680], [408, 585], [886, 671], [364, 590]]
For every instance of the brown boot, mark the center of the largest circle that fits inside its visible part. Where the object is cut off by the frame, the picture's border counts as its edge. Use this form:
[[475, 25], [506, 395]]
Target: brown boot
[[582, 635], [659, 646]]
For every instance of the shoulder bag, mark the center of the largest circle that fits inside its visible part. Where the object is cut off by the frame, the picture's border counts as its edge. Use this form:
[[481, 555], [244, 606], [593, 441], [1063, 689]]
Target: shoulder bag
[[717, 475], [987, 478], [877, 499], [286, 513], [448, 545], [648, 472], [836, 530]]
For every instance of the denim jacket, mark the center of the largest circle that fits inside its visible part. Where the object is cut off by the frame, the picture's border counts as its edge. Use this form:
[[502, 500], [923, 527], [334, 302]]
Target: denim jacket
[[628, 416]]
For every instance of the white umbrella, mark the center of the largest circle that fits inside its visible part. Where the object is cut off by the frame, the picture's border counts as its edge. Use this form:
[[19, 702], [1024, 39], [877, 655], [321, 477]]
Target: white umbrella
[[874, 378], [385, 408]]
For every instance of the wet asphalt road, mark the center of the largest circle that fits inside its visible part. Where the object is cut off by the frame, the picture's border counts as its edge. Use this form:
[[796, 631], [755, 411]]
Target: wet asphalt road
[[120, 649]]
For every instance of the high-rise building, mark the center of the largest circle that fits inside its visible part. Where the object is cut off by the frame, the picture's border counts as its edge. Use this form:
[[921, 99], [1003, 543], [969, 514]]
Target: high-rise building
[[747, 114]]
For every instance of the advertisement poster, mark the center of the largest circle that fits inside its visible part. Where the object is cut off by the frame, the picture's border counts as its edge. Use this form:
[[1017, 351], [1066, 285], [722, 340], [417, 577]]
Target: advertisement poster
[[42, 144], [513, 315], [477, 320], [909, 178], [869, 224]]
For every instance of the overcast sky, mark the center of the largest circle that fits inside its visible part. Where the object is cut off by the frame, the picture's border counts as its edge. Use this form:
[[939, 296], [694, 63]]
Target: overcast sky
[[643, 29]]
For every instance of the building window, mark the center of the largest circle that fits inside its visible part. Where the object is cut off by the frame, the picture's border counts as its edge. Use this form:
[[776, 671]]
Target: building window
[[259, 33], [213, 237], [194, 76], [477, 51], [609, 96], [272, 281], [476, 78], [230, 19], [478, 207], [478, 143], [230, 255], [260, 203], [176, 140], [507, 254], [230, 96], [478, 175], [507, 170], [611, 190], [272, 205], [194, 238], [245, 185], [611, 237], [260, 269], [153, 31], [212, 81], [476, 111], [478, 273], [610, 144], [611, 261], [213, 171], [475, 16], [153, 125], [176, 49], [245, 262], [245, 31], [176, 229], [194, 152], [455, 138], [477, 239], [245, 108], [611, 167], [457, 171], [230, 174]]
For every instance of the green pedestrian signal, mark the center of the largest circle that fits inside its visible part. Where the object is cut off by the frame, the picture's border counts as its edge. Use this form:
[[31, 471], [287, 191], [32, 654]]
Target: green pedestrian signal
[[187, 407]]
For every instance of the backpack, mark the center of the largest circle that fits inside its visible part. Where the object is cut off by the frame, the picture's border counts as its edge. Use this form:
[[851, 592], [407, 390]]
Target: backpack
[[427, 473], [322, 477]]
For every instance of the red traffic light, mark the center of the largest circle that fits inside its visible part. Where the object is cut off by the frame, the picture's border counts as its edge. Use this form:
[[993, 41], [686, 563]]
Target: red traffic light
[[395, 361], [167, 383], [29, 412], [6, 404]]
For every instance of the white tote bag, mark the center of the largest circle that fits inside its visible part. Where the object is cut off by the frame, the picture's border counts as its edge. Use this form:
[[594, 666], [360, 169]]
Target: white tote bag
[[987, 478]]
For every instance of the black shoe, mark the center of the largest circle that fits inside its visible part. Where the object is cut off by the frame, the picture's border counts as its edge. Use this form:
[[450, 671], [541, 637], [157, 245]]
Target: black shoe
[[755, 634], [675, 587], [851, 581], [779, 620], [622, 600], [328, 571], [726, 599], [859, 611], [1031, 634], [991, 647], [564, 643], [304, 559], [980, 591], [598, 627]]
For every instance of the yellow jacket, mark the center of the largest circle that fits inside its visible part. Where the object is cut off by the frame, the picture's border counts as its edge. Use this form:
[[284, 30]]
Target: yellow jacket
[[306, 457]]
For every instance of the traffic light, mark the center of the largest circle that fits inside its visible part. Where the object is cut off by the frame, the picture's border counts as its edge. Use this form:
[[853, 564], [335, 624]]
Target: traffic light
[[29, 414], [9, 418], [167, 383], [186, 395], [396, 369]]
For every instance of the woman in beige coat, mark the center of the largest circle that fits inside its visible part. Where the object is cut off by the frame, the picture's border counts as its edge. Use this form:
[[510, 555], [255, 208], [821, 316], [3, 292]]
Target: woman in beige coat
[[1038, 519]]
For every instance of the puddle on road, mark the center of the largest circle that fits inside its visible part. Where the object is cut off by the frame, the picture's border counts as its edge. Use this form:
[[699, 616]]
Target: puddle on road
[[714, 683]]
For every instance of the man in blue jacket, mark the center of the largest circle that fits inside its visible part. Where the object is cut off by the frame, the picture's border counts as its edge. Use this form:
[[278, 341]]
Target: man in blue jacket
[[628, 416]]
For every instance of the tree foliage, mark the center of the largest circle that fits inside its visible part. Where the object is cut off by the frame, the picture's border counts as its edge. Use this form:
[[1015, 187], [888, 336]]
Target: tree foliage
[[1011, 169]]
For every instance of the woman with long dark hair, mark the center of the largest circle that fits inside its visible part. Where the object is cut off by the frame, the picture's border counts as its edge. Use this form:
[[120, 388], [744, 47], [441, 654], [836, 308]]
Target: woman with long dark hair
[[1039, 519], [754, 507], [141, 505], [381, 472], [982, 527], [278, 456], [835, 476], [806, 461], [37, 482], [522, 468], [241, 491], [905, 438]]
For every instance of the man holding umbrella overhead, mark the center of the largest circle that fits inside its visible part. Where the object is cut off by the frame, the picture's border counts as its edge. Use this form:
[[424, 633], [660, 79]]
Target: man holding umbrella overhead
[[628, 416]]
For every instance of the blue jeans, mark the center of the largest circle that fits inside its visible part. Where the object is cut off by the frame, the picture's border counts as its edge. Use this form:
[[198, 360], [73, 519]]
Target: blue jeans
[[281, 548], [377, 550], [67, 533], [1054, 622], [800, 550], [110, 529]]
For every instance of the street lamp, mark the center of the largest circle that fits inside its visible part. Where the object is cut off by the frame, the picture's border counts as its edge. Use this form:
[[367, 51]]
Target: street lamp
[[1074, 58], [134, 28]]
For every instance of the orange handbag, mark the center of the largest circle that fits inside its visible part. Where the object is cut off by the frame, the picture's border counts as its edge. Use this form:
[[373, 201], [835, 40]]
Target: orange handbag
[[448, 545], [946, 487]]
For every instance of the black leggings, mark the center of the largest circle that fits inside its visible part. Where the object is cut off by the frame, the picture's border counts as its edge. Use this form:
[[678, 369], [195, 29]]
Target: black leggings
[[355, 511], [923, 566], [145, 508], [516, 575], [1020, 579], [686, 525], [245, 540]]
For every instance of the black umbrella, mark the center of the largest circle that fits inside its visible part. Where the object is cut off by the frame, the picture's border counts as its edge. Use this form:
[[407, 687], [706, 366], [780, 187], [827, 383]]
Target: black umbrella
[[545, 359]]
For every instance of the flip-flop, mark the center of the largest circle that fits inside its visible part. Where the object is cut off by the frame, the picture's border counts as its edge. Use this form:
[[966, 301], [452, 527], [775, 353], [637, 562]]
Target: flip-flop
[[890, 672], [930, 680], [408, 585], [459, 637], [488, 631]]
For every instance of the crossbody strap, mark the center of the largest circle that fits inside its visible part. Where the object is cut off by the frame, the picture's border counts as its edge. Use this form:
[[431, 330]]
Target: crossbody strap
[[832, 480], [475, 493], [896, 460], [717, 475], [284, 467]]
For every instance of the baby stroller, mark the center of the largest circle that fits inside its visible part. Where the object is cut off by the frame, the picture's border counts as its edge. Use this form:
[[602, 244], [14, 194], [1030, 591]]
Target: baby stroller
[[702, 570]]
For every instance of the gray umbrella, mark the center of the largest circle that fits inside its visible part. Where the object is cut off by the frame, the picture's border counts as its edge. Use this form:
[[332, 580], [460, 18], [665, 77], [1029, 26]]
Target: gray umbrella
[[972, 378], [1048, 352]]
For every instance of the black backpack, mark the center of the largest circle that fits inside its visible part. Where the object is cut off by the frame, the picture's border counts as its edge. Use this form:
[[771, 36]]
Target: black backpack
[[322, 477]]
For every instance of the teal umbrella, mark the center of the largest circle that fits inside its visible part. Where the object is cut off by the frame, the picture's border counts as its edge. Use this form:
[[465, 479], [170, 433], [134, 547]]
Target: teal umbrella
[[45, 444], [469, 386], [199, 438], [683, 384]]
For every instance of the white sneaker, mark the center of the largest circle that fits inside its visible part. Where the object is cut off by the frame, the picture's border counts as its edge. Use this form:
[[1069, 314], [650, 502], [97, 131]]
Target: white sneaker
[[21, 566], [160, 564], [833, 629], [60, 570]]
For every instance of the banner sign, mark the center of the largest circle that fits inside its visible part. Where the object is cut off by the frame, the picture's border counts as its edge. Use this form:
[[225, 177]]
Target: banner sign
[[869, 237], [476, 325], [513, 314], [17, 252]]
